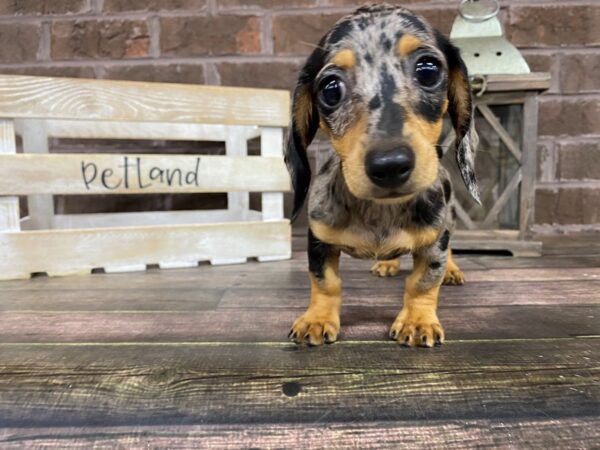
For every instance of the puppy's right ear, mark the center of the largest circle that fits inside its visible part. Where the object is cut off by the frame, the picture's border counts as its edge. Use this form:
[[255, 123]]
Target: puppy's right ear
[[304, 126]]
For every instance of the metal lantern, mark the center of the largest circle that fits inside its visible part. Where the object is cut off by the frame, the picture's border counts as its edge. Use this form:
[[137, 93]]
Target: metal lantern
[[506, 118]]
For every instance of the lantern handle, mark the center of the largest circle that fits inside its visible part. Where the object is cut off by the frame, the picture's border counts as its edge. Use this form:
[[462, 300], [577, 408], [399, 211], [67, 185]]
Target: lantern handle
[[480, 83], [479, 18]]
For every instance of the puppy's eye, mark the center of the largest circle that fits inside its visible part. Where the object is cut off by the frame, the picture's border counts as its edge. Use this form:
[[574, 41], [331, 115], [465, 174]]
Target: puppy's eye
[[427, 71], [332, 92]]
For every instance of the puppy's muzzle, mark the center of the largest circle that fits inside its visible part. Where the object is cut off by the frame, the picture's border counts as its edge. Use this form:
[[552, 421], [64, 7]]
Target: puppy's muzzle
[[390, 169]]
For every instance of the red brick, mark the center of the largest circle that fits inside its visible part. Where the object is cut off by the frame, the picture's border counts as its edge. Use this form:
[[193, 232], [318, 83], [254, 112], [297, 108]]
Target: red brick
[[579, 161], [554, 25], [299, 34], [264, 4], [42, 7], [567, 206], [545, 63], [274, 75], [53, 71], [440, 19], [19, 42], [569, 117], [199, 36], [165, 73], [153, 5], [97, 39], [580, 73], [546, 161], [540, 62], [393, 2]]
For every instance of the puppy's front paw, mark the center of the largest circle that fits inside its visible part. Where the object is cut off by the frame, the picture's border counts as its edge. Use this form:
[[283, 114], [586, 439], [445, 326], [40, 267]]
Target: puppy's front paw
[[417, 327], [454, 277], [315, 328], [386, 268]]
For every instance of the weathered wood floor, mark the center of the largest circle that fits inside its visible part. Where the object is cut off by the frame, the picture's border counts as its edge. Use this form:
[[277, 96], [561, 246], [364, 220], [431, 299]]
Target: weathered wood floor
[[198, 358]]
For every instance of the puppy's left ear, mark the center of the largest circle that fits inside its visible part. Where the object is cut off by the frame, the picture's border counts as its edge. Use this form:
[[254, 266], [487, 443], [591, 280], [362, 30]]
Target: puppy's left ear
[[302, 130], [461, 110]]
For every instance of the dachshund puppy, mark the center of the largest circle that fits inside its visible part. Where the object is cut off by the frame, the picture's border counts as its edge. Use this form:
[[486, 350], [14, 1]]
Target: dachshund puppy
[[379, 84]]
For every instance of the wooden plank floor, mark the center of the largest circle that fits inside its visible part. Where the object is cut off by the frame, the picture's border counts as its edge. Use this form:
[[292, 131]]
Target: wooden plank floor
[[198, 358]]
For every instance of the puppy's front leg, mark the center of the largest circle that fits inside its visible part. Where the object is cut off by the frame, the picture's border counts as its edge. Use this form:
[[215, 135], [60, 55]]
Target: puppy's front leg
[[417, 323], [321, 321]]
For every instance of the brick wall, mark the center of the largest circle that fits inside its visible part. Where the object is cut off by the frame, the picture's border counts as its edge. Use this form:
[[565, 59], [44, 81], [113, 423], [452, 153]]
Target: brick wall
[[262, 42]]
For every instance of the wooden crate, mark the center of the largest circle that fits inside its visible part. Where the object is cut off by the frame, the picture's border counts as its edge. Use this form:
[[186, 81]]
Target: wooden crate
[[37, 108]]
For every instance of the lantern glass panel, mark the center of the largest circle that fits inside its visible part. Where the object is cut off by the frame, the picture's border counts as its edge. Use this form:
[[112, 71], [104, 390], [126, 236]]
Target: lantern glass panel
[[498, 170]]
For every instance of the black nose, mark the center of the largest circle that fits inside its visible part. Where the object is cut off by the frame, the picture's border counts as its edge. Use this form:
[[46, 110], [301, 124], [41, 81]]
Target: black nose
[[390, 168]]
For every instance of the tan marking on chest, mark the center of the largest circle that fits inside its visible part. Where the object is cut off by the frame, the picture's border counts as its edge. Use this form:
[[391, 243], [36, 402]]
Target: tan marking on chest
[[366, 244]]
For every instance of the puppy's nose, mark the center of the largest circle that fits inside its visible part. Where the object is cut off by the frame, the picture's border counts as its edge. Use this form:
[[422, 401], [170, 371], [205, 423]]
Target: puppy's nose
[[390, 168]]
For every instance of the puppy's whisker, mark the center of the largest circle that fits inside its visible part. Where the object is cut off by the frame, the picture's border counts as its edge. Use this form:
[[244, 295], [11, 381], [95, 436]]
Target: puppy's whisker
[[311, 45]]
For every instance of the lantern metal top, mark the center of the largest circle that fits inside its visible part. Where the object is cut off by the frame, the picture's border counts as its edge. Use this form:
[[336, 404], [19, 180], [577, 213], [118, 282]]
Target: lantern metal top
[[478, 33], [479, 11]]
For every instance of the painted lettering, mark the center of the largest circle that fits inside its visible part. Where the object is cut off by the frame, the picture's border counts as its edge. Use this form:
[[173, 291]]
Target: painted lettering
[[87, 177], [131, 174], [107, 173]]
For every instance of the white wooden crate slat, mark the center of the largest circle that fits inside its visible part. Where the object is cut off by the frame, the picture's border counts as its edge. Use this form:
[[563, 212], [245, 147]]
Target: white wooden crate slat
[[26, 174], [236, 145], [76, 99], [272, 202], [35, 140], [148, 218], [85, 129], [9, 214], [272, 146], [65, 252], [9, 206]]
